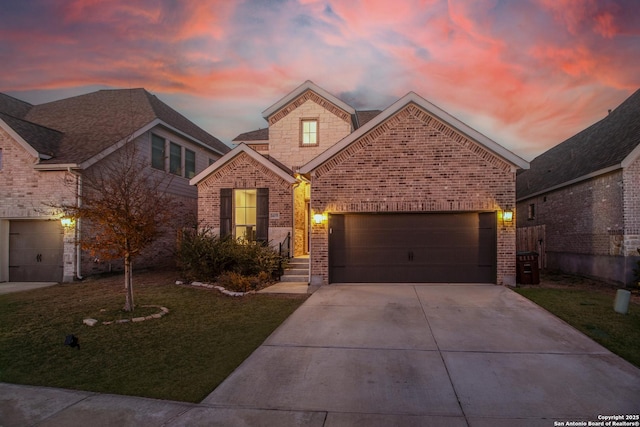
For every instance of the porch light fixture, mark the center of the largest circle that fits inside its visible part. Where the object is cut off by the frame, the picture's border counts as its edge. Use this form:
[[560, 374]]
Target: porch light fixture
[[66, 221], [507, 215], [319, 218]]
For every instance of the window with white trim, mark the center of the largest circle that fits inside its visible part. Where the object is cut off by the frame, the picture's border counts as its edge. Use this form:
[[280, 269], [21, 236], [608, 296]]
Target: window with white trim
[[308, 132]]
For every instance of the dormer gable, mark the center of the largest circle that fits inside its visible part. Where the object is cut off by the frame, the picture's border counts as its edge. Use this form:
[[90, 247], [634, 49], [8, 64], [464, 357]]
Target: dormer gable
[[308, 91], [304, 123]]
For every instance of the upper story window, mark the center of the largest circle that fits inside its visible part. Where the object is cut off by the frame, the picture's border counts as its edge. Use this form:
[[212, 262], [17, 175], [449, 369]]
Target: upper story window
[[308, 132], [0, 159], [177, 155], [189, 163], [157, 152], [531, 212], [175, 158]]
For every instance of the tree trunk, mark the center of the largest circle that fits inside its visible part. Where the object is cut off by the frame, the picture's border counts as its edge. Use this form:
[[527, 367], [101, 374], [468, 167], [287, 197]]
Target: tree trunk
[[128, 283]]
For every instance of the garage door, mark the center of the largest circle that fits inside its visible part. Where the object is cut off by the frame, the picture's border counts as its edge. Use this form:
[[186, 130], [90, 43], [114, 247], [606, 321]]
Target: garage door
[[35, 251], [413, 248]]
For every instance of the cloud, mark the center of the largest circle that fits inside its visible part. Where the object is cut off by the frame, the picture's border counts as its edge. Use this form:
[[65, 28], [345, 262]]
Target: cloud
[[527, 73]]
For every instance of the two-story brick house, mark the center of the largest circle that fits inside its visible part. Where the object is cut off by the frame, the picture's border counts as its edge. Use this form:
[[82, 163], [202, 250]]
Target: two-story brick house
[[408, 194], [584, 194], [45, 150]]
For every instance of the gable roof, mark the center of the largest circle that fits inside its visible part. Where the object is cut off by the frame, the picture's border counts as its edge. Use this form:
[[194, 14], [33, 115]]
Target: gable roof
[[262, 135], [13, 106], [87, 127], [42, 142], [276, 167], [358, 118], [308, 85], [602, 147], [254, 135], [364, 116], [430, 108]]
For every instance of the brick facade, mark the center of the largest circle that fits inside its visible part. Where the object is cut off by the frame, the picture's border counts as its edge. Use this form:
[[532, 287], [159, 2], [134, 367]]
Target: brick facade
[[631, 179], [568, 215], [27, 194], [592, 227], [412, 157], [284, 133], [243, 172], [413, 163]]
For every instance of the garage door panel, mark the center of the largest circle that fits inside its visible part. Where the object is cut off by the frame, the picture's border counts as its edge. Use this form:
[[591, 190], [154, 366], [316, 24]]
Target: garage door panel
[[35, 251], [442, 247]]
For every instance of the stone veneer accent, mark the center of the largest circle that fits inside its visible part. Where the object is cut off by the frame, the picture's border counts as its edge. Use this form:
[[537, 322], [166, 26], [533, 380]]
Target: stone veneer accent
[[413, 163], [284, 133]]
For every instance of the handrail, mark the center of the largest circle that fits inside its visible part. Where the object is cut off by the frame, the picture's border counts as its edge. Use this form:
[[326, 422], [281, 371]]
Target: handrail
[[285, 251], [285, 246]]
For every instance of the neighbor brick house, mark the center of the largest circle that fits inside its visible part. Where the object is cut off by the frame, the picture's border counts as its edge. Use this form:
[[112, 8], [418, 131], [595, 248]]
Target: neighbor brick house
[[45, 150], [408, 194], [583, 198]]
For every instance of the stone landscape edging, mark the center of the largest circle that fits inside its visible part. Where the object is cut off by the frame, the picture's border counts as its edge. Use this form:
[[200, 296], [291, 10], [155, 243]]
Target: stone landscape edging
[[163, 312], [217, 287]]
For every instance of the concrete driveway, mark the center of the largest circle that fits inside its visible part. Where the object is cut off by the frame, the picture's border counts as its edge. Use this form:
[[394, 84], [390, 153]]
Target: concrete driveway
[[380, 355]]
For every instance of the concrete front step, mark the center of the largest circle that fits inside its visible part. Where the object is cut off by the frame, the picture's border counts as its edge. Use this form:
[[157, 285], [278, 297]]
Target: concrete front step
[[298, 262], [297, 271]]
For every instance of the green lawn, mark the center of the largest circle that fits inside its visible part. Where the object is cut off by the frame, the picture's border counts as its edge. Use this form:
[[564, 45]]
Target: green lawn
[[182, 356], [591, 311]]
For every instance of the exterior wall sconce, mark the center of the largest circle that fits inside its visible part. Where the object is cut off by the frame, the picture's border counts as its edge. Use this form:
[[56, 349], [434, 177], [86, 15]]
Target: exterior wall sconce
[[319, 218], [66, 221], [507, 215]]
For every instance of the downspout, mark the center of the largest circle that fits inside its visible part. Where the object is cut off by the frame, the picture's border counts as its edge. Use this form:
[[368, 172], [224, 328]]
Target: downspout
[[78, 233]]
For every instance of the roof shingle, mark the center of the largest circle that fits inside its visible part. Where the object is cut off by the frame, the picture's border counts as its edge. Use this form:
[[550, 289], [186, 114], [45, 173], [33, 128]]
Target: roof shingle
[[43, 140], [86, 125], [600, 146], [13, 107]]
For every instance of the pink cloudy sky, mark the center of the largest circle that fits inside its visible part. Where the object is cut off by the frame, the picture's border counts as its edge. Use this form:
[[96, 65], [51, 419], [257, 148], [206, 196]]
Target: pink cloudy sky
[[527, 73]]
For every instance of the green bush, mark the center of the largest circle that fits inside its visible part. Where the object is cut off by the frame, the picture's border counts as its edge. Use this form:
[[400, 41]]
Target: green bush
[[205, 256]]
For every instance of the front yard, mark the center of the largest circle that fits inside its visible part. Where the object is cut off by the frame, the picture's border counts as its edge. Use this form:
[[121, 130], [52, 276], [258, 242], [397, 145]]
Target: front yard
[[185, 354], [587, 305], [182, 356]]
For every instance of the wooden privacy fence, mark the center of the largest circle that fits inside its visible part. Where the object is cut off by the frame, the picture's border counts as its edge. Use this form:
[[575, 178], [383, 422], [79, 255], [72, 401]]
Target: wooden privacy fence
[[532, 239]]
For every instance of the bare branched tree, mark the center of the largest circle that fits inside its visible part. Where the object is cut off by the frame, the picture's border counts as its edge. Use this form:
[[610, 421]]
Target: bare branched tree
[[126, 205]]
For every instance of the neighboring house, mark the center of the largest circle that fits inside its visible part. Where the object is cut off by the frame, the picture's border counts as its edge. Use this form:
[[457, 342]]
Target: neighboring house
[[44, 151], [408, 194], [583, 196]]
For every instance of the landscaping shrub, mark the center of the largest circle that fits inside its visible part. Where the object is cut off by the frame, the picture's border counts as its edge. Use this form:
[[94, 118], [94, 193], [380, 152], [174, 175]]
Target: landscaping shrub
[[233, 281], [204, 256]]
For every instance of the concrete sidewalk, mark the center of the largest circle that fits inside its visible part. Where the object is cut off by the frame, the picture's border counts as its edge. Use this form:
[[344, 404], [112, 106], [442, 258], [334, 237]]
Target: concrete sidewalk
[[379, 355], [11, 287]]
